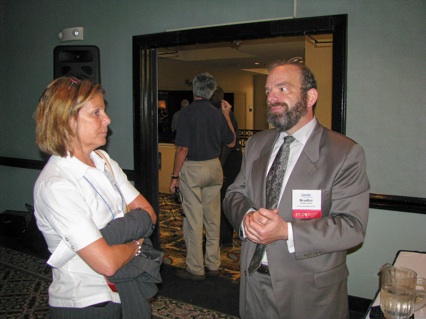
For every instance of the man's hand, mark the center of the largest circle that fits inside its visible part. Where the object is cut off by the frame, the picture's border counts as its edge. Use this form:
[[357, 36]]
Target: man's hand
[[265, 226], [226, 110], [226, 107], [174, 183]]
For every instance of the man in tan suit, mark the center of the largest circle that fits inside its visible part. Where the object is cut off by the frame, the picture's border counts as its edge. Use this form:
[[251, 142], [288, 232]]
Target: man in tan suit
[[322, 209]]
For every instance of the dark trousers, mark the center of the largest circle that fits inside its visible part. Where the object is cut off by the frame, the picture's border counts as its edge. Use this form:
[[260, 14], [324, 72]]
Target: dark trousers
[[231, 168], [107, 310]]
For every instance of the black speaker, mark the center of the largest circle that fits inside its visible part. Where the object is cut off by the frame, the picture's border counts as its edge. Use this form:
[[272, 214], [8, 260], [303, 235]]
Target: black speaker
[[81, 61]]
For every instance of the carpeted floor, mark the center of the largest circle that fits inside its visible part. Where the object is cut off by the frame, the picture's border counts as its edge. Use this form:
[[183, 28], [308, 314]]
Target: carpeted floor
[[25, 279], [24, 283], [173, 245]]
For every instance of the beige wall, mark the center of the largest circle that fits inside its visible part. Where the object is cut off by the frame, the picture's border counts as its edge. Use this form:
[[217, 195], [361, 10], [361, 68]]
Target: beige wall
[[259, 107], [167, 152], [250, 106]]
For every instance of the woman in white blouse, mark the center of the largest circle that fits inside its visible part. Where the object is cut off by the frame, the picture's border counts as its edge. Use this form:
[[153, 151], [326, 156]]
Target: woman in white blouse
[[76, 195]]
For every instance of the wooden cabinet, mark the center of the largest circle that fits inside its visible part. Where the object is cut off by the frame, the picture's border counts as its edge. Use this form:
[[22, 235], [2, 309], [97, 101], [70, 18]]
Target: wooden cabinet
[[167, 158]]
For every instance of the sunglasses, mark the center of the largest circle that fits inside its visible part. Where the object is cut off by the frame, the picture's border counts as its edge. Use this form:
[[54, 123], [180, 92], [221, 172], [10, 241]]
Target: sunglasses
[[177, 196]]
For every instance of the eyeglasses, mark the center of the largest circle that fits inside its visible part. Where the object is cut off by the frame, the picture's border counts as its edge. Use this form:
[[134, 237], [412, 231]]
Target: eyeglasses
[[177, 196], [296, 59], [74, 80]]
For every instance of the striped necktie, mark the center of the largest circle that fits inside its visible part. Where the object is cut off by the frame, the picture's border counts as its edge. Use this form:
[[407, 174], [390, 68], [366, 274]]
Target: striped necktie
[[274, 181]]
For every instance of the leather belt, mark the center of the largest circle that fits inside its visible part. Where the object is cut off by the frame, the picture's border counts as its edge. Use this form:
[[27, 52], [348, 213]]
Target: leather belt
[[100, 305], [263, 269]]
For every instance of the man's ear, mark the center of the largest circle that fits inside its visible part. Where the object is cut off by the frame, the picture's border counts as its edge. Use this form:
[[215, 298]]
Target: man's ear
[[312, 97]]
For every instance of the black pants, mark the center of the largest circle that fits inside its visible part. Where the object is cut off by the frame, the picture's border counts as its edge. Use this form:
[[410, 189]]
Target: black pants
[[231, 168]]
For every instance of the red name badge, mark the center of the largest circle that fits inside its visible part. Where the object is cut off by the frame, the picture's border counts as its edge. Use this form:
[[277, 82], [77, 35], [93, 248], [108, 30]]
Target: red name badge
[[306, 214], [306, 204]]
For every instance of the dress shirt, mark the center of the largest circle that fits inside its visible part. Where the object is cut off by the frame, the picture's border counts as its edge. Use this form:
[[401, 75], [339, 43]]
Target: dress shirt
[[301, 136], [296, 148]]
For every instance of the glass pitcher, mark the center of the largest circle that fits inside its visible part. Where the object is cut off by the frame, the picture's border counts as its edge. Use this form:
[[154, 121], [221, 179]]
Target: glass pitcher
[[401, 292]]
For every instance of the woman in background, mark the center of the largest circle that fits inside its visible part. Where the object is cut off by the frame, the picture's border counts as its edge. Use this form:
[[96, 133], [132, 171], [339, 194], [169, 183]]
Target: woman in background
[[76, 195]]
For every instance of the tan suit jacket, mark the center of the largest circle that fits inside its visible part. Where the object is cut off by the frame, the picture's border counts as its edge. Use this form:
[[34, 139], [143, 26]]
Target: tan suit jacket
[[312, 282]]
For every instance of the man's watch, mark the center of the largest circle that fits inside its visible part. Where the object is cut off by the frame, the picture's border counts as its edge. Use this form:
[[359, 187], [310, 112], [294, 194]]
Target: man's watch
[[175, 177]]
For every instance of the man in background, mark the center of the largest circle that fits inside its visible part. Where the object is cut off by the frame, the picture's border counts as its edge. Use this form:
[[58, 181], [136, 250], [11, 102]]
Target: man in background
[[201, 130]]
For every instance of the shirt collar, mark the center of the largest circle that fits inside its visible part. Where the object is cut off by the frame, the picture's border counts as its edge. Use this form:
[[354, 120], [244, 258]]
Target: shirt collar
[[76, 167], [303, 134]]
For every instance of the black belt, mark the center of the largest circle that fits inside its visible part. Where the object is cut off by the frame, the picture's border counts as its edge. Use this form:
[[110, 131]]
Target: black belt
[[100, 305], [263, 269]]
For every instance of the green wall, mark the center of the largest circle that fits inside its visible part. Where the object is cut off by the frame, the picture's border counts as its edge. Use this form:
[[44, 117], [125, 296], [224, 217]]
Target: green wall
[[385, 97]]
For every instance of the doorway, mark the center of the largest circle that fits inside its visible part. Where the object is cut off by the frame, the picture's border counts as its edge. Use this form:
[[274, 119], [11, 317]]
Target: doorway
[[146, 50]]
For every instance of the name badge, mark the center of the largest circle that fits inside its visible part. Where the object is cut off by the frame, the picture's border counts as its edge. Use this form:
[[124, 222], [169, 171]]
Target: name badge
[[306, 204]]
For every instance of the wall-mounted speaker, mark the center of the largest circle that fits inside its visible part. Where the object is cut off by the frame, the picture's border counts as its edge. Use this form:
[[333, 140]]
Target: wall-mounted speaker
[[81, 61]]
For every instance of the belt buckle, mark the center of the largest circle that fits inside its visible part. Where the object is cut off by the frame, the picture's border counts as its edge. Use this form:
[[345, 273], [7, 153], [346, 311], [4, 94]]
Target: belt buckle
[[263, 269]]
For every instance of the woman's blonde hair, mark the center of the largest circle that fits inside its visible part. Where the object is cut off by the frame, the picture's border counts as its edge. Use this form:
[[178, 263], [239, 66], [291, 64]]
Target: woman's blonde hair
[[61, 101]]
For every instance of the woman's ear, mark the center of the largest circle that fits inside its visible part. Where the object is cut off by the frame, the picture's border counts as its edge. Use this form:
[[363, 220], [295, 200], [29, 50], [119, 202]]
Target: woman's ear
[[73, 124]]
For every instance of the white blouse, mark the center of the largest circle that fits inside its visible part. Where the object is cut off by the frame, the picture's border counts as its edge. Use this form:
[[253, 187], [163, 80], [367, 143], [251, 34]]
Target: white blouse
[[72, 202]]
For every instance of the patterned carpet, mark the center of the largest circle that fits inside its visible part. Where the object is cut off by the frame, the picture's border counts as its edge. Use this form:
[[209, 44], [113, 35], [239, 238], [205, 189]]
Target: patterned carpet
[[25, 279], [173, 245]]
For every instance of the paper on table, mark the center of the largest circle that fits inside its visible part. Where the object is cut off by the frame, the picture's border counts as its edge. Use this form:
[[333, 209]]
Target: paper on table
[[412, 260]]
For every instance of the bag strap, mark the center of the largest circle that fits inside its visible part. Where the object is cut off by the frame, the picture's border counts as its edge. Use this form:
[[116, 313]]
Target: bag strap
[[102, 155], [107, 163]]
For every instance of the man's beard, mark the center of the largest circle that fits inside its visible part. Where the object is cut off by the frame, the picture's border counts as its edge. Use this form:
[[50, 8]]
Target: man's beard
[[290, 117]]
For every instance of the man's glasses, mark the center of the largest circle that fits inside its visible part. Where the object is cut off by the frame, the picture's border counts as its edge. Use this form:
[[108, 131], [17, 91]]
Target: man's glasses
[[296, 59], [178, 198]]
